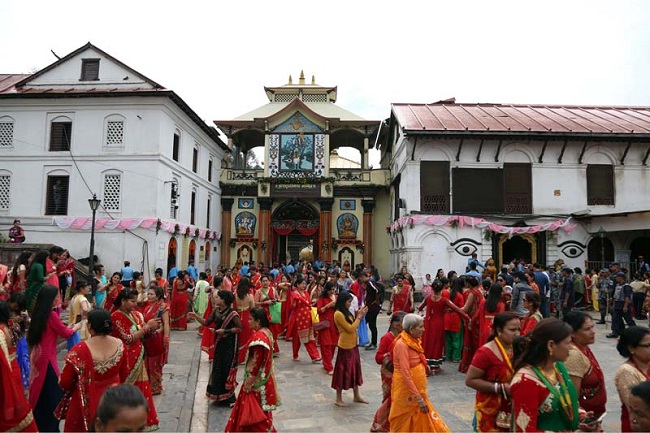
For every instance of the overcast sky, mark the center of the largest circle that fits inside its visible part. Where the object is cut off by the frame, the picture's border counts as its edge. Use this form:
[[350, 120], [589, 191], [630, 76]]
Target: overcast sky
[[218, 55]]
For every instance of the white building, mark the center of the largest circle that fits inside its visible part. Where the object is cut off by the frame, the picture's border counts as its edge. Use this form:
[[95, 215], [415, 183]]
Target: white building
[[89, 124], [525, 170]]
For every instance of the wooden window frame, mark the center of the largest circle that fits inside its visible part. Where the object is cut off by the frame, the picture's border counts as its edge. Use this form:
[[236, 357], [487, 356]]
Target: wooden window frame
[[89, 70], [60, 131], [600, 198], [176, 147], [51, 207]]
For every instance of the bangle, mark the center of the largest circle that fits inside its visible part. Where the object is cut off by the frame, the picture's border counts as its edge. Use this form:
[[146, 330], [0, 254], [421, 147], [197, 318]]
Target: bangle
[[496, 387]]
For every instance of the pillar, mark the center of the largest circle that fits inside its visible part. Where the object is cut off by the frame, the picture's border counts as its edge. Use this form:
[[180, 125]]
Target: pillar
[[368, 207], [325, 231], [364, 154], [226, 212], [265, 229]]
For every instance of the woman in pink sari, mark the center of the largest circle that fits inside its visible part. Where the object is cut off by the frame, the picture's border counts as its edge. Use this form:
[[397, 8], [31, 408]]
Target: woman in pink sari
[[45, 327]]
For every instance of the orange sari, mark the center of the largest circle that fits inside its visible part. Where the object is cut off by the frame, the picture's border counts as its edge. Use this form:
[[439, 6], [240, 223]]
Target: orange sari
[[410, 370]]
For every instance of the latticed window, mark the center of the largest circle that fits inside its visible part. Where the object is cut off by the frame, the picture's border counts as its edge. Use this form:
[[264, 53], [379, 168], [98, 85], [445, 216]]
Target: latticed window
[[5, 190], [314, 98], [115, 133], [434, 187], [112, 191], [284, 98], [6, 134]]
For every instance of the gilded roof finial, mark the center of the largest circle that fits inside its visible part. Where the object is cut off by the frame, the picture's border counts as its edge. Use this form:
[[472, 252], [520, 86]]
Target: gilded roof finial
[[313, 80], [302, 78], [290, 80]]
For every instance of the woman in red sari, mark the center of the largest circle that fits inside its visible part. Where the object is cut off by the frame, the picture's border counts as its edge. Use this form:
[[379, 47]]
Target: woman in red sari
[[490, 375], [584, 369], [531, 303], [265, 297], [328, 337], [284, 295], [157, 344], [129, 326], [15, 412], [433, 340], [113, 289], [382, 357], [301, 328], [401, 296], [207, 336], [258, 395], [473, 297], [487, 311], [180, 301], [244, 301], [161, 281], [90, 368]]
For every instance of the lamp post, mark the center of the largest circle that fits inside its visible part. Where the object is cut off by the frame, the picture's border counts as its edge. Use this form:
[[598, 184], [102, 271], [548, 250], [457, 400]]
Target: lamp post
[[94, 205], [601, 233]]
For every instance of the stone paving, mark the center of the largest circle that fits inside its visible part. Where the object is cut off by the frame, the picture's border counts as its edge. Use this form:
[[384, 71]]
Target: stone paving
[[308, 399]]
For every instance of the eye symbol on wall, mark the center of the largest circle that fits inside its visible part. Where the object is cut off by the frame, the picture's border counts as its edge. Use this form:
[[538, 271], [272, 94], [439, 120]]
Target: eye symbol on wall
[[572, 249], [465, 246]]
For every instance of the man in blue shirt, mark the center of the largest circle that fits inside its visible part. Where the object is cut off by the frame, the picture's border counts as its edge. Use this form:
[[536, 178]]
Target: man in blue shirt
[[471, 260], [544, 283], [244, 270], [127, 274], [290, 269], [191, 269], [472, 271]]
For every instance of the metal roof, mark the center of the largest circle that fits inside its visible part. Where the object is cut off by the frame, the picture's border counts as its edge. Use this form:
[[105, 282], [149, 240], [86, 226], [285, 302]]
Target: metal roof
[[446, 117]]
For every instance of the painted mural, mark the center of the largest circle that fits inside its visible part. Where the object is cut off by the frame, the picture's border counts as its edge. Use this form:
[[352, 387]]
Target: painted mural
[[347, 225], [245, 223], [297, 145], [297, 152]]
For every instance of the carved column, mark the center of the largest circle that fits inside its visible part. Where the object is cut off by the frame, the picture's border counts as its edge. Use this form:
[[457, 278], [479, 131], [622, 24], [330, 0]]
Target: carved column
[[368, 207], [325, 231], [265, 229], [226, 211], [364, 155]]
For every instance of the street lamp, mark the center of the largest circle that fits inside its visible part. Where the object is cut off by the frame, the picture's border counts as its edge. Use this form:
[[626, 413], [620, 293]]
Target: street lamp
[[601, 233], [94, 205]]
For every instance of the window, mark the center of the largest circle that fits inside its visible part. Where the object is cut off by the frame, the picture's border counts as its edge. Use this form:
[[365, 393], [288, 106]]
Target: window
[[434, 187], [210, 170], [493, 190], [176, 146], [56, 200], [114, 133], [193, 208], [89, 70], [5, 191], [173, 212], [600, 184], [112, 192], [6, 133], [60, 134], [195, 159], [207, 216]]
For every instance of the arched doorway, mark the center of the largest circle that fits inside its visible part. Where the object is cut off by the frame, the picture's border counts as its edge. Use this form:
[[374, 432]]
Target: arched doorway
[[172, 253], [600, 252], [207, 255], [192, 251], [294, 225], [520, 247]]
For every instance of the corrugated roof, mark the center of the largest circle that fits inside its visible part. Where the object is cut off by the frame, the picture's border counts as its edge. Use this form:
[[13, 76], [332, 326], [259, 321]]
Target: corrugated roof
[[505, 118], [8, 81]]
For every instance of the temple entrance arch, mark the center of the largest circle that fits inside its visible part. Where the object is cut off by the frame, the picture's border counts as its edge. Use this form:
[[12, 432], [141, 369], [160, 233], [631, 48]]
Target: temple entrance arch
[[294, 225], [172, 253], [518, 247]]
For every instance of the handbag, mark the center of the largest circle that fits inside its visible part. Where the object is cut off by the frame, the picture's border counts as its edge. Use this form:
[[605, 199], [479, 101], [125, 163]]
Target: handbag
[[73, 340], [323, 324], [314, 315], [362, 332], [275, 309], [153, 344]]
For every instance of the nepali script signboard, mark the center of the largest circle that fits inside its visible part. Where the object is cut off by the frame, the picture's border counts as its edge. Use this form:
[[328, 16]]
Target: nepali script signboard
[[295, 190]]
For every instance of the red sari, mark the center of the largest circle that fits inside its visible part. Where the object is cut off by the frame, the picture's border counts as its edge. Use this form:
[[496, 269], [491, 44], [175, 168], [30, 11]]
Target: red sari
[[156, 363], [486, 321], [207, 334], [328, 338], [380, 422], [402, 299], [433, 340], [472, 331], [488, 404], [179, 304], [84, 383], [123, 328], [111, 296], [15, 411], [253, 410], [275, 328], [246, 331]]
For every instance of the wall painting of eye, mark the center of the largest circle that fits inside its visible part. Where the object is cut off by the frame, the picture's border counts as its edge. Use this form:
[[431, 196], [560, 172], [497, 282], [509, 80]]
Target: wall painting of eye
[[465, 246], [572, 249]]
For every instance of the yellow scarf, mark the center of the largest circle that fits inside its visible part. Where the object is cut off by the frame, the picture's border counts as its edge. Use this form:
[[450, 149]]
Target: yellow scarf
[[413, 343]]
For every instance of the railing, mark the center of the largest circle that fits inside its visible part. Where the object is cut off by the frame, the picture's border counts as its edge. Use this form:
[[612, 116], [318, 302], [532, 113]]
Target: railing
[[632, 267]]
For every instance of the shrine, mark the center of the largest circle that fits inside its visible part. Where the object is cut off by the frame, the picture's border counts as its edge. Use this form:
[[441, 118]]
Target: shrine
[[304, 200]]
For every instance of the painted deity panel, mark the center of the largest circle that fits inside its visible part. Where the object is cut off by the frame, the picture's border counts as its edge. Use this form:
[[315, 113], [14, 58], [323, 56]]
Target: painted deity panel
[[296, 152], [245, 223], [347, 225]]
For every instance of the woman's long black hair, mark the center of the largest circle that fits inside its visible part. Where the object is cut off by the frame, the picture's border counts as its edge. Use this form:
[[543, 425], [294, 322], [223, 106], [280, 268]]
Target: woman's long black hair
[[41, 314], [494, 296], [340, 306]]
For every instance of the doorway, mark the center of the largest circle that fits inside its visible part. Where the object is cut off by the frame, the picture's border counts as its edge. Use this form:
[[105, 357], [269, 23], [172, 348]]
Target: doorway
[[520, 247], [172, 250], [294, 226]]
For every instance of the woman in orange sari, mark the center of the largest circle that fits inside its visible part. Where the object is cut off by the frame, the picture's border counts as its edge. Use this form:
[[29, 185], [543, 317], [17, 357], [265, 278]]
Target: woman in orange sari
[[157, 344], [129, 326], [15, 412], [411, 410], [91, 367], [490, 375], [258, 395], [180, 301]]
